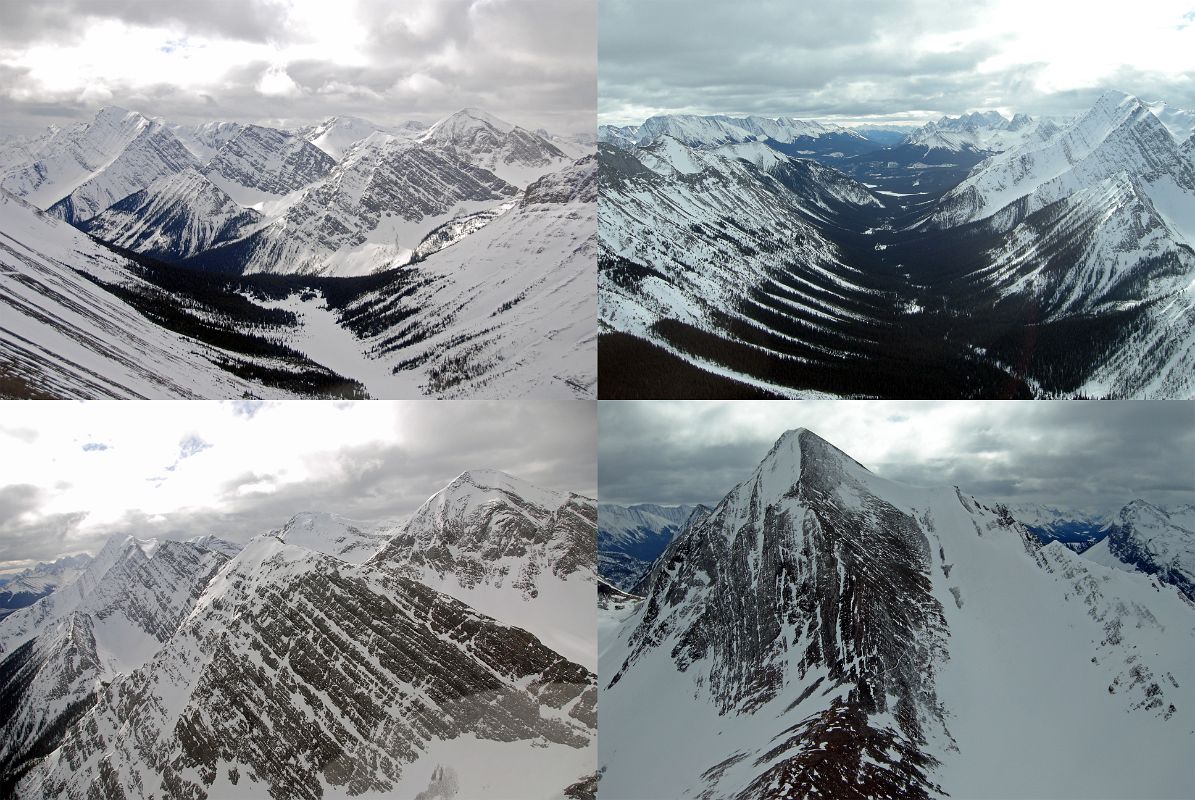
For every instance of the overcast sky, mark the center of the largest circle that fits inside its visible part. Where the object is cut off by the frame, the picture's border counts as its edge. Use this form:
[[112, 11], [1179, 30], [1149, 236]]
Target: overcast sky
[[1086, 456], [287, 62], [74, 474], [888, 60]]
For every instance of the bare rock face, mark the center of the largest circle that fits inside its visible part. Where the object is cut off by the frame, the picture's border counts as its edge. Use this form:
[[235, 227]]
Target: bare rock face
[[486, 524], [576, 183], [268, 160]]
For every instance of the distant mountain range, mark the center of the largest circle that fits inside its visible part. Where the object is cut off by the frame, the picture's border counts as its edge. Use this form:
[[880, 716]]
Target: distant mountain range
[[978, 256], [631, 538], [822, 631], [27, 587], [450, 656], [261, 251]]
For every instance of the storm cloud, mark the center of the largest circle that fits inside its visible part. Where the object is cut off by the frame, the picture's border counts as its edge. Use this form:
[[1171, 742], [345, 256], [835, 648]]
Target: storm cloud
[[532, 62], [884, 61], [1081, 456], [254, 473]]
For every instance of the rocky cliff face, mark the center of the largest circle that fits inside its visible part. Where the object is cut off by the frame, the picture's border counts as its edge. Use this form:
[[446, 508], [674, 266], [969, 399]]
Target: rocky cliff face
[[362, 671], [262, 161], [520, 554], [1151, 540]]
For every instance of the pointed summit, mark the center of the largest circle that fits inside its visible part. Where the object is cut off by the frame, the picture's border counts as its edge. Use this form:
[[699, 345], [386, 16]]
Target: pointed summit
[[801, 453], [116, 114], [468, 120]]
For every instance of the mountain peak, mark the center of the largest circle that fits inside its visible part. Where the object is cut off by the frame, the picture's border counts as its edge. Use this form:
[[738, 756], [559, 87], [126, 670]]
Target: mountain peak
[[800, 456], [468, 117], [479, 485], [803, 440], [1113, 101], [114, 113]]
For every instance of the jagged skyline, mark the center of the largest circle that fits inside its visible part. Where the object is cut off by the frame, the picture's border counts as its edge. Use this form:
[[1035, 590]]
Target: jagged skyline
[[79, 473]]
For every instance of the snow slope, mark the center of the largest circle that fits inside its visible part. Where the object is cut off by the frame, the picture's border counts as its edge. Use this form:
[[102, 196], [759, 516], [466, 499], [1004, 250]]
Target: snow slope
[[334, 536], [508, 311], [62, 335], [337, 135]]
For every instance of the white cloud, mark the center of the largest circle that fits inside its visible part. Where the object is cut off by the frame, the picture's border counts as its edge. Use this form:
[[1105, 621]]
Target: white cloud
[[1079, 455], [299, 60], [74, 473], [888, 60]]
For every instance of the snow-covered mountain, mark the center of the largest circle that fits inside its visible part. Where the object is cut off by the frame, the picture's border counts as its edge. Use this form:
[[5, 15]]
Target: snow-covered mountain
[[369, 212], [337, 135], [446, 327], [174, 218], [261, 164], [1097, 220], [80, 321], [60, 652], [793, 136], [27, 587], [1119, 135], [1078, 530], [334, 536], [205, 139], [713, 254], [470, 285], [826, 632], [81, 170], [983, 248], [523, 555], [514, 154], [631, 538], [384, 685], [1151, 540], [987, 131], [1179, 121]]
